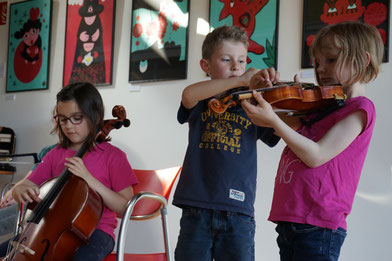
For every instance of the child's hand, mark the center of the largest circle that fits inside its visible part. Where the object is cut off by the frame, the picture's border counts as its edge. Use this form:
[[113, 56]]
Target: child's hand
[[261, 114], [264, 78], [7, 200], [76, 166], [26, 192], [247, 76]]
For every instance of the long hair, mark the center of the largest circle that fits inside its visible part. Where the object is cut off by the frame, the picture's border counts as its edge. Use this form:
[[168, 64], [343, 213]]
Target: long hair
[[91, 105]]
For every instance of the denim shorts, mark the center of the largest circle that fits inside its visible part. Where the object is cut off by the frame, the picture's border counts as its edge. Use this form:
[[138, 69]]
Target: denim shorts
[[306, 242], [208, 234]]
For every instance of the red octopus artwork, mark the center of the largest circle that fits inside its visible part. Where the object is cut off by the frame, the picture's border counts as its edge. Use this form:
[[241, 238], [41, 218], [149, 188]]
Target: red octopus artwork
[[335, 11], [243, 13]]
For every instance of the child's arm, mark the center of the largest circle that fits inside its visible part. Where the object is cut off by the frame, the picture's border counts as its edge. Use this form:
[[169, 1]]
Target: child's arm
[[312, 154], [8, 199], [25, 191], [115, 201], [206, 89]]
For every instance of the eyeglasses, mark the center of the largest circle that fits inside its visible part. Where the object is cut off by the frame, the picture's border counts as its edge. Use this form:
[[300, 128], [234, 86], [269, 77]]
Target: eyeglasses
[[74, 119]]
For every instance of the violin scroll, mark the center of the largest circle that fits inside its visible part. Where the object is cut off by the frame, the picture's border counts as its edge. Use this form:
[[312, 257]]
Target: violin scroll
[[220, 106]]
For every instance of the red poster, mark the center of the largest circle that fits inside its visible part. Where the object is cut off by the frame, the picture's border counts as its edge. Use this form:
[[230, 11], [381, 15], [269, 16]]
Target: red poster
[[3, 13], [89, 42]]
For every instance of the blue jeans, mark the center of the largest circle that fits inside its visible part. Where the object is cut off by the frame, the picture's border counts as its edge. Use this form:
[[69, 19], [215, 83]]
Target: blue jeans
[[306, 242], [99, 246], [207, 234], [8, 216]]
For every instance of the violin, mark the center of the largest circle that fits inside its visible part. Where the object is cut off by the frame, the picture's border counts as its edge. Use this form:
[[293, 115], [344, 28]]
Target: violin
[[292, 96], [68, 213]]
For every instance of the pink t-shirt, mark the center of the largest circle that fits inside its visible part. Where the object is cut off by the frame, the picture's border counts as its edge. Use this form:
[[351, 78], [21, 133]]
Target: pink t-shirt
[[322, 196], [106, 163]]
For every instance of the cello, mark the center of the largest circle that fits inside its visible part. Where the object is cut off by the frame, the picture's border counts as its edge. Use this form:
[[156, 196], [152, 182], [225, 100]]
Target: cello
[[68, 213]]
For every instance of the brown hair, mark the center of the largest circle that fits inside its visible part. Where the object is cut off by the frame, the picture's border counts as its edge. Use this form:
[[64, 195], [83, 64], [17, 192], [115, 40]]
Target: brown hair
[[353, 39], [224, 33], [89, 102]]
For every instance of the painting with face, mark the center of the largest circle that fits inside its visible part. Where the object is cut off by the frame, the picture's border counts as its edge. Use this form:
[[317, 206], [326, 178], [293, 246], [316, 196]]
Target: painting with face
[[89, 41], [319, 13], [28, 51]]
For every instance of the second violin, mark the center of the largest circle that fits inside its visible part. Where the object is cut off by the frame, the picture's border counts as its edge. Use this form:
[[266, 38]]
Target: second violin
[[294, 96]]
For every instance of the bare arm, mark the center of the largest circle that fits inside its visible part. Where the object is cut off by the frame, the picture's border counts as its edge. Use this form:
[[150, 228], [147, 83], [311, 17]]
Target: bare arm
[[8, 199], [206, 89], [312, 154], [115, 201]]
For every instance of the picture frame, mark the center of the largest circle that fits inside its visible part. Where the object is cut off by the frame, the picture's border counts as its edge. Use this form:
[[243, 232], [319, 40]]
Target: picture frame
[[159, 40], [259, 19], [3, 12], [89, 42], [317, 14], [29, 46]]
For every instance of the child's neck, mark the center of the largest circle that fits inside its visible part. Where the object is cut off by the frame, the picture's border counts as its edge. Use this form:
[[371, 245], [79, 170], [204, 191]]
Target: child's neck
[[355, 90], [75, 147]]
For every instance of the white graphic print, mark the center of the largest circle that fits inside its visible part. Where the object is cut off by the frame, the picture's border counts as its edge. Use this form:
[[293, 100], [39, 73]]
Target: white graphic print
[[284, 174]]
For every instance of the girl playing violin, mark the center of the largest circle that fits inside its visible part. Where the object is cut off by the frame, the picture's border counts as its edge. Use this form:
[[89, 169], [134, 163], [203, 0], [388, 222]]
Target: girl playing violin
[[105, 168], [320, 167]]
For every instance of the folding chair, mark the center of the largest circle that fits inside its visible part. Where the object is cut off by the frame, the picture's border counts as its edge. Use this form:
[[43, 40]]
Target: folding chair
[[150, 200]]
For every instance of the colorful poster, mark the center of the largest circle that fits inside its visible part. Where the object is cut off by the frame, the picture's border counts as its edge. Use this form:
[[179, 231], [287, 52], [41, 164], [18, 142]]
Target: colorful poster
[[29, 46], [89, 41], [319, 13], [159, 40], [3, 13], [259, 18]]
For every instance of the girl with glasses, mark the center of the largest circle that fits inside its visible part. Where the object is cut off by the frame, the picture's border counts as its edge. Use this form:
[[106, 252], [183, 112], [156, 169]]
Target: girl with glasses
[[105, 168]]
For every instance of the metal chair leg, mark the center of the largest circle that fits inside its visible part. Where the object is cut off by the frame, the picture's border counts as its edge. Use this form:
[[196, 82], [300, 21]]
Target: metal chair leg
[[166, 234]]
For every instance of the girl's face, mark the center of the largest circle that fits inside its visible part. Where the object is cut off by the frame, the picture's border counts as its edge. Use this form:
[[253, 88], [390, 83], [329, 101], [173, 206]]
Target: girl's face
[[30, 37], [73, 123], [229, 60], [327, 68]]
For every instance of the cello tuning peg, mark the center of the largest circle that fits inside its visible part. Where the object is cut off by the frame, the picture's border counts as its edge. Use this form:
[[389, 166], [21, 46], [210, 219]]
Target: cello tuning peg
[[126, 123]]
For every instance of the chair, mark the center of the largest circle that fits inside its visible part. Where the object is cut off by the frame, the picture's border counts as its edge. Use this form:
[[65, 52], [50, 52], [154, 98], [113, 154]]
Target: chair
[[150, 199]]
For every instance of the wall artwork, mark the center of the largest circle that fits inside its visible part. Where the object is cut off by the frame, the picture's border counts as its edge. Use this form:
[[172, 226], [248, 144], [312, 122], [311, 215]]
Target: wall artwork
[[159, 40], [3, 13], [259, 18], [89, 41], [319, 13], [28, 46]]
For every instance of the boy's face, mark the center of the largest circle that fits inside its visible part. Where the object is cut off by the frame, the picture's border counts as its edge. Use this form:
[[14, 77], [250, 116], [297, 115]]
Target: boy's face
[[228, 60]]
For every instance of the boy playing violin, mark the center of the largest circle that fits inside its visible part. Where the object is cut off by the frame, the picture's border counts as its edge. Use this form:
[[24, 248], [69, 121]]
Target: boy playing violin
[[216, 190]]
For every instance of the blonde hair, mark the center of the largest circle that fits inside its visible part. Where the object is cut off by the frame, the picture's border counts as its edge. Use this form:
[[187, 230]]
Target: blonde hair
[[353, 39], [215, 38]]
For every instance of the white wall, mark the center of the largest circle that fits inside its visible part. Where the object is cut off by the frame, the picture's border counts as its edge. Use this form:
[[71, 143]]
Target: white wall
[[156, 140]]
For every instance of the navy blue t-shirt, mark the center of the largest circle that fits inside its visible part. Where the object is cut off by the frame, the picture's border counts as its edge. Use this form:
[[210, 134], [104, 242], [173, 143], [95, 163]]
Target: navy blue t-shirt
[[220, 166]]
